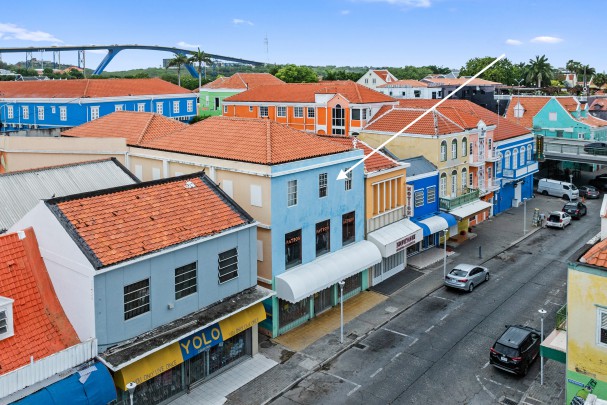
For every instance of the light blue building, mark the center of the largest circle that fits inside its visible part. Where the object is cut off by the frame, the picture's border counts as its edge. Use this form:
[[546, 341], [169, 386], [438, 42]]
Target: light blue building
[[567, 118], [68, 103], [162, 274]]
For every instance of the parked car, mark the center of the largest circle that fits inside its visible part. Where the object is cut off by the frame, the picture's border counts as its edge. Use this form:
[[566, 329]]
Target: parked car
[[466, 276], [558, 188], [515, 349], [589, 192], [576, 209], [558, 219], [596, 148]]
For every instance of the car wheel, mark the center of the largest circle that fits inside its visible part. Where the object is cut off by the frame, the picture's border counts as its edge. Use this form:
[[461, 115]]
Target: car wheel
[[544, 192], [471, 287], [525, 370], [566, 197], [487, 277]]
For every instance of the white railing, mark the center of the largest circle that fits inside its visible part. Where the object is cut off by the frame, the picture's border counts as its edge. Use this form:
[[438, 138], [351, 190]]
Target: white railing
[[385, 218], [41, 369]]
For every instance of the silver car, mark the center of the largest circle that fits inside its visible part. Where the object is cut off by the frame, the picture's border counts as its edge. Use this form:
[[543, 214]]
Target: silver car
[[466, 276]]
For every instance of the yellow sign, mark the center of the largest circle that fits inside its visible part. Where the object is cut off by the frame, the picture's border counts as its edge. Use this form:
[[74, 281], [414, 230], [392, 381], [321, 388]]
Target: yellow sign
[[242, 321], [149, 367]]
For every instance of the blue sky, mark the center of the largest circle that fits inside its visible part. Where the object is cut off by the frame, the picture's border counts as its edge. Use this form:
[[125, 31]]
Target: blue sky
[[316, 32]]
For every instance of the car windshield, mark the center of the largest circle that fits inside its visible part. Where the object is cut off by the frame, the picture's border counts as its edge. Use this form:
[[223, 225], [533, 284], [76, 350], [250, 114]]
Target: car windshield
[[573, 187], [458, 273], [554, 218], [506, 350]]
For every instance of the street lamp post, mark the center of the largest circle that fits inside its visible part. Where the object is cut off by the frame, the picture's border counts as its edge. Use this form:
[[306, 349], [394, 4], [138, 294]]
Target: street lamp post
[[445, 255], [131, 388], [542, 313], [524, 216], [341, 302]]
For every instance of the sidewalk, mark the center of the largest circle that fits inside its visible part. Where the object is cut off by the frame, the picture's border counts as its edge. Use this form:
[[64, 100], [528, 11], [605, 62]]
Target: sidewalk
[[301, 358]]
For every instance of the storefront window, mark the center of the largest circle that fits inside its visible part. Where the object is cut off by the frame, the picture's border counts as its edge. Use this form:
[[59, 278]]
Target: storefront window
[[293, 248], [347, 228], [159, 388], [352, 283], [289, 312], [227, 352], [322, 237]]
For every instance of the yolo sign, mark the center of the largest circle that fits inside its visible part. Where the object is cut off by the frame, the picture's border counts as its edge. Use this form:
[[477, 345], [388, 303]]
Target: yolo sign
[[200, 341]]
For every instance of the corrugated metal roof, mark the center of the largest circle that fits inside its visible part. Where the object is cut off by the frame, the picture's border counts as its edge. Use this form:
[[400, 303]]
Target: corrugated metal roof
[[21, 191], [419, 165]]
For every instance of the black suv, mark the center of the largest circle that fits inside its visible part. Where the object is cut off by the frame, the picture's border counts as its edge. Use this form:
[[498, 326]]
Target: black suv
[[516, 349]]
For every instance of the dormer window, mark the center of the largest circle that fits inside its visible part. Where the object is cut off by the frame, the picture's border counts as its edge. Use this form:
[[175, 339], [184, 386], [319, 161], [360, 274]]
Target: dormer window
[[6, 318], [518, 110]]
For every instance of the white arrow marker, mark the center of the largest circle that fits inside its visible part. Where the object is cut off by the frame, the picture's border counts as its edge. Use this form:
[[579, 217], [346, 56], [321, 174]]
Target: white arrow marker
[[343, 174]]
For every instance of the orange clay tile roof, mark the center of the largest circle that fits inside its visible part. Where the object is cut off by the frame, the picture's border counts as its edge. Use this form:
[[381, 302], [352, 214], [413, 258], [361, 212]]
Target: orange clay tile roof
[[383, 74], [596, 255], [243, 81], [403, 83], [377, 162], [599, 104], [305, 93], [118, 224], [459, 81], [136, 127], [88, 88], [593, 121], [254, 140], [40, 325], [505, 129], [531, 105]]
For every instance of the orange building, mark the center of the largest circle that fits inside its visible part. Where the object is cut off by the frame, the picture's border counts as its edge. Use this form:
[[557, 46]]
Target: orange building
[[325, 108]]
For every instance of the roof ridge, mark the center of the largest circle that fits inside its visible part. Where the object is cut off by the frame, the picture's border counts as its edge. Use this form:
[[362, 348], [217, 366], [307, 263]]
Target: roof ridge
[[86, 88], [145, 128], [242, 80], [448, 119], [360, 98]]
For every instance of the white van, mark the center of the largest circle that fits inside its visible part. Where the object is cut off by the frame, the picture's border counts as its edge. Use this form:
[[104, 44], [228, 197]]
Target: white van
[[558, 189]]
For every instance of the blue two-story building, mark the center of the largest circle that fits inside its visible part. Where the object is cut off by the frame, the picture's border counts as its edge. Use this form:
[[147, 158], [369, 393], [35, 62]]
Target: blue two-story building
[[68, 103], [162, 274]]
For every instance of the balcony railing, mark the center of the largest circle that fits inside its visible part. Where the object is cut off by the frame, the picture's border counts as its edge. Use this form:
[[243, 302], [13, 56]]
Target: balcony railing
[[561, 318], [385, 218], [452, 203]]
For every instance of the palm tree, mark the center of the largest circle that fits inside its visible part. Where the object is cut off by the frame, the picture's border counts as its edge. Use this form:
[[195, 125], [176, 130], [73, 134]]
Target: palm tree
[[179, 60], [539, 70], [587, 70], [200, 57]]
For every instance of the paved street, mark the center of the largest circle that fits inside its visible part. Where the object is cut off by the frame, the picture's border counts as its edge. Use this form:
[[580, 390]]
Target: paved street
[[437, 350]]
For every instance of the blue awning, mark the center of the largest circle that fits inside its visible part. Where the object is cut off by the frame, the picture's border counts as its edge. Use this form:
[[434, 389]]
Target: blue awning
[[426, 231], [451, 221], [91, 386]]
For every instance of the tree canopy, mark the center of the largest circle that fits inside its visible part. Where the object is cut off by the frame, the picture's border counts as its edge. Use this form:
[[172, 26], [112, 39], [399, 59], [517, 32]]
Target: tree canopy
[[539, 71], [504, 71], [297, 74]]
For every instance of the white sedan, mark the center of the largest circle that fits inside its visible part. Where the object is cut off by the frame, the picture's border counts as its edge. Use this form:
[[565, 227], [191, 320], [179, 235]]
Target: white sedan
[[558, 219]]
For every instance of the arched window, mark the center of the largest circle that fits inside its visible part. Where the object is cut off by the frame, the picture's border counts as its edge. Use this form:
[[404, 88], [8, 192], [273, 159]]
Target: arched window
[[464, 179], [454, 149], [454, 183], [522, 156], [338, 120], [443, 184], [443, 151], [529, 153], [464, 147], [507, 160], [514, 158], [498, 164]]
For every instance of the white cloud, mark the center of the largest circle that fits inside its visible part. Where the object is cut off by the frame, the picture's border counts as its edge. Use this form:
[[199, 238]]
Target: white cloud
[[182, 44], [406, 3], [345, 12], [514, 42], [238, 21], [12, 31], [547, 40]]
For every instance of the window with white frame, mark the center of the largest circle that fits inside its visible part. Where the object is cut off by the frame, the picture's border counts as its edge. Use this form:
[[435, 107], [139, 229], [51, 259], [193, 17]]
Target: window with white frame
[[489, 145], [190, 105], [311, 112], [454, 149], [159, 107], [136, 299], [471, 179], [118, 107], [364, 113], [498, 164], [417, 93], [250, 108], [322, 185], [141, 107], [443, 151], [489, 173], [185, 280], [454, 183], [3, 322], [348, 180], [355, 113], [419, 198], [298, 112], [256, 200], [443, 185], [338, 120], [464, 178], [225, 109], [263, 111], [292, 193], [507, 156], [40, 113], [25, 112], [10, 113], [514, 158], [471, 148], [206, 99], [281, 111], [529, 153], [63, 113], [464, 146], [552, 116], [94, 113], [602, 326], [522, 155], [431, 194], [227, 263]]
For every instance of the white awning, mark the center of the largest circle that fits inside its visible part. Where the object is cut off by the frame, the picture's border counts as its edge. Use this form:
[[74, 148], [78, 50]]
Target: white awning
[[435, 223], [305, 280], [470, 209], [396, 237]]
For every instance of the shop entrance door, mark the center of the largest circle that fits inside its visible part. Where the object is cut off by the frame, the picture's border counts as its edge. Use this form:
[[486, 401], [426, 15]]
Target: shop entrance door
[[323, 300], [197, 368]]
